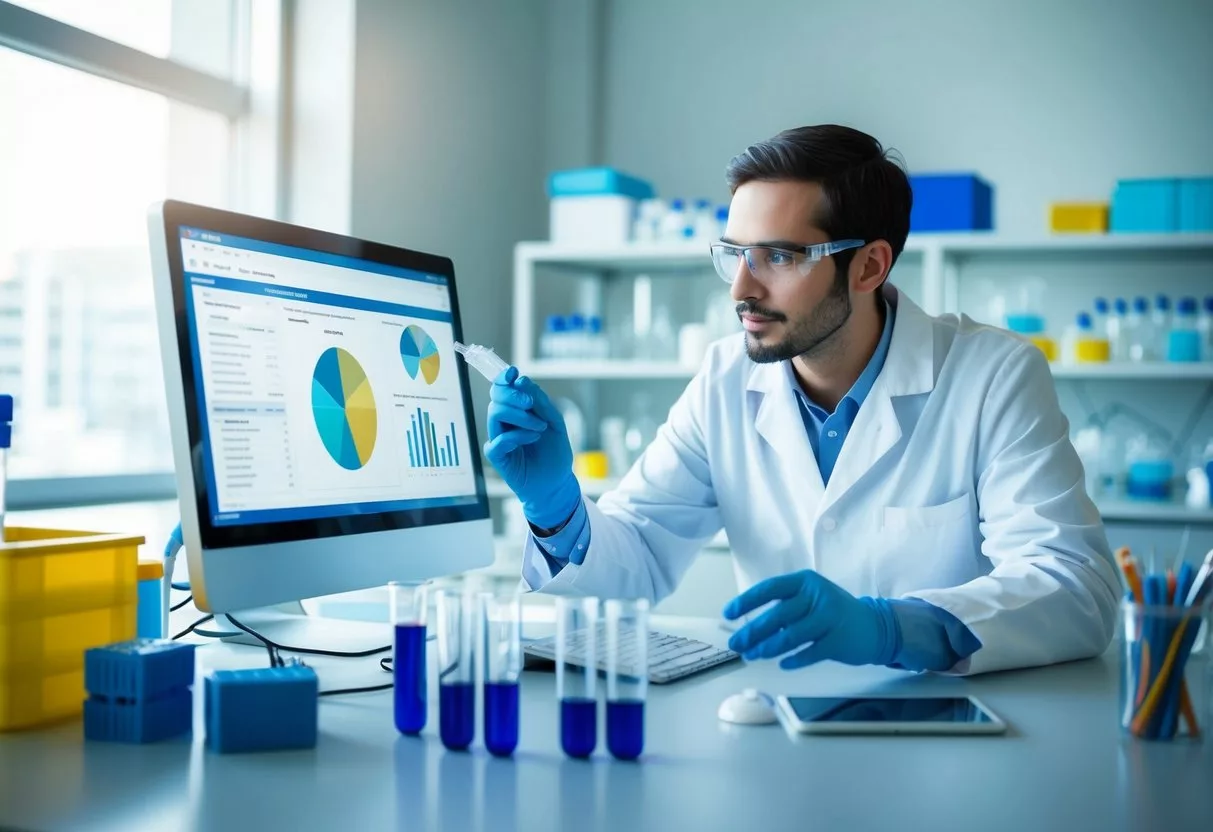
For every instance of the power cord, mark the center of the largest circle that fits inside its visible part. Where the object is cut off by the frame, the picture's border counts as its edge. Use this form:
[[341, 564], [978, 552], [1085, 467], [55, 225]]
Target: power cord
[[354, 654], [189, 599], [276, 659], [191, 627]]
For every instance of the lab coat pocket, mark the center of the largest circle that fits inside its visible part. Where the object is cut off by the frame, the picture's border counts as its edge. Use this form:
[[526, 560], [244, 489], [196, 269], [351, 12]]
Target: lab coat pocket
[[927, 547], [927, 517]]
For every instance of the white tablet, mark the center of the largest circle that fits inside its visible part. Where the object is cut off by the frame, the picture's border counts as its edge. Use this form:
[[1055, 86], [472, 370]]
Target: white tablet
[[889, 715]]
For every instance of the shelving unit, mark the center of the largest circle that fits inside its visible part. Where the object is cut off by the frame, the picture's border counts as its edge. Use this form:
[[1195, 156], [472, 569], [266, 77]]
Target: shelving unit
[[941, 259]]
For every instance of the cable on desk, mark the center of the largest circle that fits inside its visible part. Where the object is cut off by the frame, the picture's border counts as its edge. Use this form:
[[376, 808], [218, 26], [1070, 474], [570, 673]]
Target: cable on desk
[[189, 599], [270, 647], [191, 627], [368, 689], [314, 651]]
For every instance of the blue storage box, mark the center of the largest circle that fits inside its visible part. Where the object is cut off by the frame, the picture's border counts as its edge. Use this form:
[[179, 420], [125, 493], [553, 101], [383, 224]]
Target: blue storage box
[[139, 721], [951, 202], [1196, 204], [141, 669], [265, 709], [597, 182], [1145, 205]]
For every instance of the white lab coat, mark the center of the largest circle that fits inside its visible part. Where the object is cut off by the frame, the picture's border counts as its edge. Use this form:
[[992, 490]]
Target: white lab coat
[[957, 484]]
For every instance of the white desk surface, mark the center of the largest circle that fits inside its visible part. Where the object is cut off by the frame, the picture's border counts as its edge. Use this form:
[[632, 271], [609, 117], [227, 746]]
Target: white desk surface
[[1063, 765]]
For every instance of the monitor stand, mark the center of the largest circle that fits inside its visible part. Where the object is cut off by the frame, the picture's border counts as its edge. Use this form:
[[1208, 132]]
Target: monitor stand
[[289, 625]]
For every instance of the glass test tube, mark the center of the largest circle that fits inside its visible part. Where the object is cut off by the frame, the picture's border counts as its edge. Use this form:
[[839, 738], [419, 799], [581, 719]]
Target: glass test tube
[[408, 608], [502, 623], [576, 636], [456, 670], [627, 667]]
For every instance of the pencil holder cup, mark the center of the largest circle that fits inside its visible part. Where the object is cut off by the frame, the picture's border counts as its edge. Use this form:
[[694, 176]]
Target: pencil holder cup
[[1164, 687]]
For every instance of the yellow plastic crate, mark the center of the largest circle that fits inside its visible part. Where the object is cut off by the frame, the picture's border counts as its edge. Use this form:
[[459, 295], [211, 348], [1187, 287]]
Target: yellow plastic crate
[[1078, 217], [61, 592]]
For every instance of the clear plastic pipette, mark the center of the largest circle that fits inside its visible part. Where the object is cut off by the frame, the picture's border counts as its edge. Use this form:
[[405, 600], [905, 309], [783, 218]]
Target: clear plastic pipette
[[482, 359]]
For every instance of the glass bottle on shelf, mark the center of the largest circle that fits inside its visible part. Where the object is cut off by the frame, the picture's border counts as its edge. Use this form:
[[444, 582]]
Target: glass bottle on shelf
[[642, 427]]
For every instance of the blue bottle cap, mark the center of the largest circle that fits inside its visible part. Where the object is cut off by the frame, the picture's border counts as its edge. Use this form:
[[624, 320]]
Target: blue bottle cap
[[1101, 306], [1187, 306], [702, 203], [595, 324], [678, 204], [1140, 304], [1084, 320], [1209, 303], [6, 406], [1121, 306], [6, 435], [576, 321], [556, 323], [722, 213], [1162, 302]]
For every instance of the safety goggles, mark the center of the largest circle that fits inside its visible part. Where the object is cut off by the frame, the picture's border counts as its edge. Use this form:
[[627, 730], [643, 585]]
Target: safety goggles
[[770, 263]]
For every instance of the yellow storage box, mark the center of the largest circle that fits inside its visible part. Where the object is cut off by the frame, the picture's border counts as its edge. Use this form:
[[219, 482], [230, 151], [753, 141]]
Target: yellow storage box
[[61, 592], [1078, 217]]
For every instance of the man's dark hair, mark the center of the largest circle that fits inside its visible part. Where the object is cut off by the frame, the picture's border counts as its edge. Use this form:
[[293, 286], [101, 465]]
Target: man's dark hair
[[867, 194]]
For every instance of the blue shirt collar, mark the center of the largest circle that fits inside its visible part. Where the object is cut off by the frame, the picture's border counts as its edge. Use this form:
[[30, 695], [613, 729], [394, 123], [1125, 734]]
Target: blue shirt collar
[[863, 385]]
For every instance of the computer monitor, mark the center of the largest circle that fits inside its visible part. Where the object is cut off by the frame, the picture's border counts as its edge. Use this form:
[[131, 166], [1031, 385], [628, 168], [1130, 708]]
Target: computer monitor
[[322, 428]]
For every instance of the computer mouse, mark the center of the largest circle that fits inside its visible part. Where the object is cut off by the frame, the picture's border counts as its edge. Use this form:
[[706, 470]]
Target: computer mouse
[[750, 707]]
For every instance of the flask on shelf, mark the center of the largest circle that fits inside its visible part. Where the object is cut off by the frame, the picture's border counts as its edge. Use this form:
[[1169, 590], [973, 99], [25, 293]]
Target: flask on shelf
[[551, 343], [1161, 319], [575, 342], [703, 224], [1101, 317], [598, 348], [1141, 332], [1118, 330], [647, 226], [1183, 339], [674, 224], [1204, 324]]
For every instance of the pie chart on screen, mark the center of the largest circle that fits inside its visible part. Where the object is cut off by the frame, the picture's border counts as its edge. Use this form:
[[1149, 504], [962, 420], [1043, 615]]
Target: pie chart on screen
[[419, 354], [344, 408]]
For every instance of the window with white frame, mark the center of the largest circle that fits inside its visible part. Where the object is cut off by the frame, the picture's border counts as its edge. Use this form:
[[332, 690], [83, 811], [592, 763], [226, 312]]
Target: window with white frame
[[106, 108]]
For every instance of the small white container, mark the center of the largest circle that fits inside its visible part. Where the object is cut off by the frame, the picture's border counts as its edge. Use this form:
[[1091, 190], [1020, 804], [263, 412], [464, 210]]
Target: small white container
[[693, 341], [592, 219]]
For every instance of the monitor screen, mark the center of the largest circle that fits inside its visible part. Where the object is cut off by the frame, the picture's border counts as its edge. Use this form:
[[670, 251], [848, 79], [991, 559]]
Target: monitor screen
[[325, 390]]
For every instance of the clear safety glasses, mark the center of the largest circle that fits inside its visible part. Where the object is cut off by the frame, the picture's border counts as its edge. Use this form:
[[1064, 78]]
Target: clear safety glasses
[[767, 263]]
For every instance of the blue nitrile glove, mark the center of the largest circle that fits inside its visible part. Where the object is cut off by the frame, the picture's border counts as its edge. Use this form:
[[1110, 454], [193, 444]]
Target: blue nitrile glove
[[529, 446], [817, 615]]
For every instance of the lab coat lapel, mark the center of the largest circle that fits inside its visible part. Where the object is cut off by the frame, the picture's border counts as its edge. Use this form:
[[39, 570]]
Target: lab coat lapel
[[909, 370], [779, 423]]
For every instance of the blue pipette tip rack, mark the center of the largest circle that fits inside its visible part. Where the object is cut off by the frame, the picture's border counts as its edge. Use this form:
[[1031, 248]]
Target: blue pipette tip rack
[[139, 691], [263, 709]]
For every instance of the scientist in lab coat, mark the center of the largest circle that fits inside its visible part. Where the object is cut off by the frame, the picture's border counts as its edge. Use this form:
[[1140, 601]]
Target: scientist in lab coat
[[897, 488]]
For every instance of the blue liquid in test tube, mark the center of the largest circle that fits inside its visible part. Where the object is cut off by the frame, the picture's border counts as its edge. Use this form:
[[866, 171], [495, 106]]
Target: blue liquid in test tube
[[578, 726], [408, 676], [457, 714], [501, 718], [625, 728]]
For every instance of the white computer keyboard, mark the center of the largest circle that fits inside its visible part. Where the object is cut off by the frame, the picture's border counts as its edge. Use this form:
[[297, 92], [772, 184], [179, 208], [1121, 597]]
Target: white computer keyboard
[[670, 657]]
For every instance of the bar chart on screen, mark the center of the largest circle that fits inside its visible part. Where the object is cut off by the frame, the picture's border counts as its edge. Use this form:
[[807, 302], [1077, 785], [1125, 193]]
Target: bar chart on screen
[[428, 447]]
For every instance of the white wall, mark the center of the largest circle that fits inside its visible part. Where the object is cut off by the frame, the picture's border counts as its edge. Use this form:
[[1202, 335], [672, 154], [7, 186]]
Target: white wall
[[449, 141], [1048, 100]]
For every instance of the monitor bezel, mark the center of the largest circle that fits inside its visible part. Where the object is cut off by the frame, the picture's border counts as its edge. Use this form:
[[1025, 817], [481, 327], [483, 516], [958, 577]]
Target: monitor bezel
[[176, 215]]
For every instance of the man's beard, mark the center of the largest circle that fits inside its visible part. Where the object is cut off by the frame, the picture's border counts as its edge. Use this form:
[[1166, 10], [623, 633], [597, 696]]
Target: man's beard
[[807, 337]]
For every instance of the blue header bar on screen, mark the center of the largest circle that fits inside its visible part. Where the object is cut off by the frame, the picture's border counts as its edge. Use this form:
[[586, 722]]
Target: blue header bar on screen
[[311, 296], [232, 241]]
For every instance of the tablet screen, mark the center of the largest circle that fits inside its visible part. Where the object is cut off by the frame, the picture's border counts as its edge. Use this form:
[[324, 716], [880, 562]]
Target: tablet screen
[[890, 709]]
